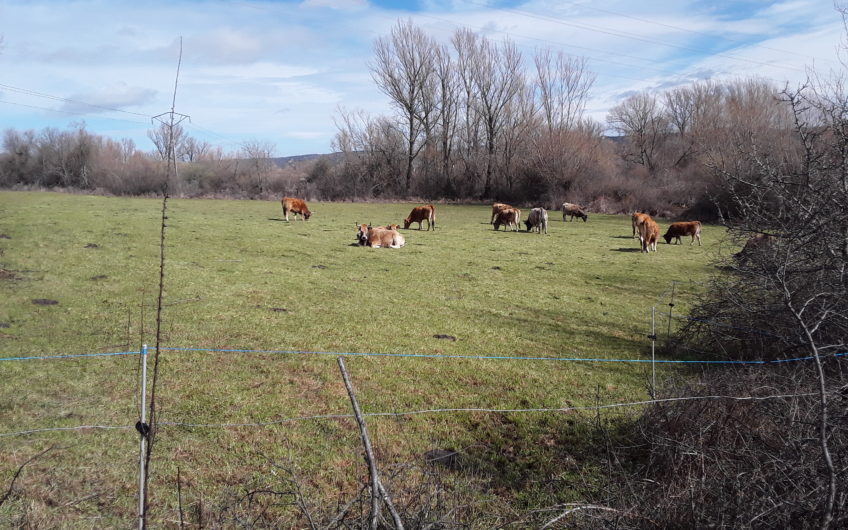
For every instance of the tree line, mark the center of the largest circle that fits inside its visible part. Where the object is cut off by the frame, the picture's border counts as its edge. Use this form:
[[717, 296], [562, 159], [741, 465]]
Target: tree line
[[472, 119]]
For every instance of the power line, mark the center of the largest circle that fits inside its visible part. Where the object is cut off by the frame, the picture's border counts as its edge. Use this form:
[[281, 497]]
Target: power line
[[66, 100], [600, 29], [687, 30], [48, 109]]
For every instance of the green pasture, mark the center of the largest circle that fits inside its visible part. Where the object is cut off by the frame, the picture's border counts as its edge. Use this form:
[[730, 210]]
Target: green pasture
[[79, 274]]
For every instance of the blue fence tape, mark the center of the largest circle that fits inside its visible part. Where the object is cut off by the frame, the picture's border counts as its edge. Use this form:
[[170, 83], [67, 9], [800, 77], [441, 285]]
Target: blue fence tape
[[426, 355], [67, 356]]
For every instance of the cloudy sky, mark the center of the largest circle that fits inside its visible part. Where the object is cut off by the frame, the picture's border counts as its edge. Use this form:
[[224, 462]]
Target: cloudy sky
[[278, 71]]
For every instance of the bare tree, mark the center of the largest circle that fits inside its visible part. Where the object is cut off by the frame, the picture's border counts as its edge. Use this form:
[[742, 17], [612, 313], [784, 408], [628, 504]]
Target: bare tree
[[563, 83], [640, 119], [497, 78], [162, 139], [404, 66], [257, 155]]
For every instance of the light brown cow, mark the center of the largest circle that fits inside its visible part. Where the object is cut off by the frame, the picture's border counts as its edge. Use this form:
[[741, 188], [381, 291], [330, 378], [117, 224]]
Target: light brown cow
[[419, 214], [754, 245], [497, 208], [509, 218], [684, 228], [574, 210], [649, 233], [295, 206], [379, 237], [636, 220]]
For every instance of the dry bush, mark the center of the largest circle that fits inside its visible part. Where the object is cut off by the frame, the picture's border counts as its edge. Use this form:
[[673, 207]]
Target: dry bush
[[723, 463]]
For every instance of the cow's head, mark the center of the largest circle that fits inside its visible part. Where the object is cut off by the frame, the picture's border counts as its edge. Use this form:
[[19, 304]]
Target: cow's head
[[529, 225], [407, 222], [583, 216], [668, 237], [307, 214], [393, 226], [362, 233]]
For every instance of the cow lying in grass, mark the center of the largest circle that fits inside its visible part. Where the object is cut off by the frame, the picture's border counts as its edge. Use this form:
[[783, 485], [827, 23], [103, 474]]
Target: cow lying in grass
[[538, 220], [687, 228], [379, 236], [649, 233], [573, 210], [509, 218], [419, 214], [754, 246]]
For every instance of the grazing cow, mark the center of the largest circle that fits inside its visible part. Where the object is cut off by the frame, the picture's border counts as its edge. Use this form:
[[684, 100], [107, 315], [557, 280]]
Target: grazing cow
[[497, 208], [295, 206], [509, 218], [419, 214], [538, 219], [649, 233], [636, 220], [574, 210], [687, 228], [377, 237]]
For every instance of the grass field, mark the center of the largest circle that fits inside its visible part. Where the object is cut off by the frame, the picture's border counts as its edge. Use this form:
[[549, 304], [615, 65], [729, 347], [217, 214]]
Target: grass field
[[239, 277]]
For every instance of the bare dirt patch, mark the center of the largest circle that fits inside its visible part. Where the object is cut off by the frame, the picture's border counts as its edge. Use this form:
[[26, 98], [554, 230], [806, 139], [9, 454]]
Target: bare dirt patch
[[44, 301], [6, 274]]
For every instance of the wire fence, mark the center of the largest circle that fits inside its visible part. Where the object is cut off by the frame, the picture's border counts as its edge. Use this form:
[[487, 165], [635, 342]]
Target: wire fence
[[426, 356], [677, 289], [85, 428]]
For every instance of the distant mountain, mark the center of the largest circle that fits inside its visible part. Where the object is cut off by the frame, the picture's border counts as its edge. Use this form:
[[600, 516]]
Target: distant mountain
[[287, 161]]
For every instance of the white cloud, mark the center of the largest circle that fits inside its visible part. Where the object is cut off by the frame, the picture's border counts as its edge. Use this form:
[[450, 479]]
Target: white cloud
[[280, 69]]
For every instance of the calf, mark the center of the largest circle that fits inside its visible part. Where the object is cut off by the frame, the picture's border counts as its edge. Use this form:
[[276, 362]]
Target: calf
[[509, 218], [574, 210], [636, 220], [687, 228], [419, 214], [649, 233], [537, 219], [295, 206]]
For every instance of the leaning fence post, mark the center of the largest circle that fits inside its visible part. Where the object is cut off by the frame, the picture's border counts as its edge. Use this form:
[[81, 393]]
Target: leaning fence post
[[141, 427], [377, 489]]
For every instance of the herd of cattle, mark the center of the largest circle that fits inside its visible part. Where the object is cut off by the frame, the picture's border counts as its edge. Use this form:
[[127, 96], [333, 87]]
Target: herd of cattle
[[507, 216]]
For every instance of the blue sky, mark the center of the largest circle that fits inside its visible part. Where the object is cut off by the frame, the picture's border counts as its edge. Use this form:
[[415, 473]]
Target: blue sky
[[277, 71]]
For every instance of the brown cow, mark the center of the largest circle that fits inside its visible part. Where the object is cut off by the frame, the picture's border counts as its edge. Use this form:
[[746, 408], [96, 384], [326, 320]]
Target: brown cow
[[649, 233], [636, 220], [295, 206], [377, 237], [574, 210], [685, 228], [754, 245], [509, 217], [419, 214], [497, 208]]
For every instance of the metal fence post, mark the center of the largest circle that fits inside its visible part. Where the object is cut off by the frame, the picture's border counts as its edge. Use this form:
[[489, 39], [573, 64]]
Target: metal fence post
[[141, 427]]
